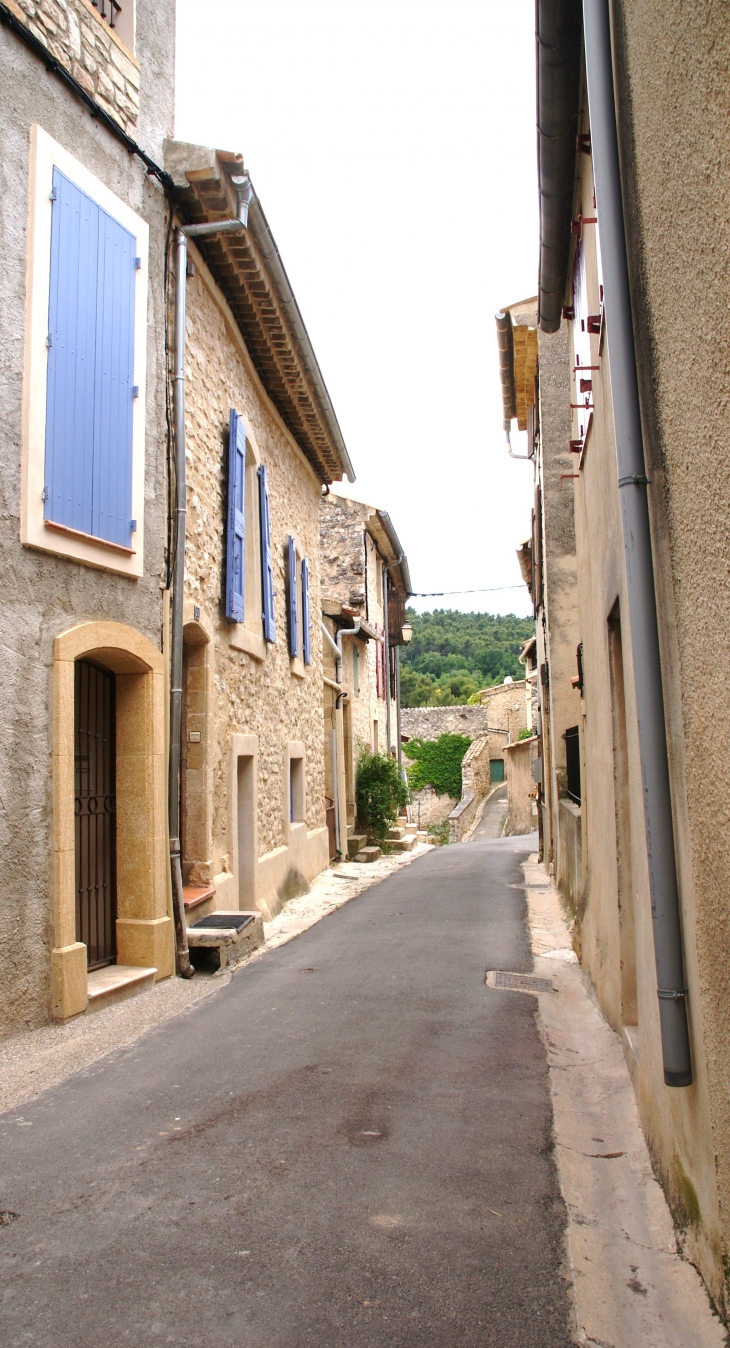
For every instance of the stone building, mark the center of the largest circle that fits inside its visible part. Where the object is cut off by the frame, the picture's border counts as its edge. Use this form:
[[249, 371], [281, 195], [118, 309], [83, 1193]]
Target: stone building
[[365, 586], [627, 433], [82, 536], [261, 442]]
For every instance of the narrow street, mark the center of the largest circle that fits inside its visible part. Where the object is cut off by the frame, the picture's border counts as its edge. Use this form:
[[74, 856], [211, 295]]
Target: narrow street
[[349, 1144]]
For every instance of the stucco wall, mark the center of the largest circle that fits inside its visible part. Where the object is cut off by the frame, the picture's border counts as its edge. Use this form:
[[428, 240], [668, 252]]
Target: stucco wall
[[672, 64], [521, 813], [675, 126], [271, 698], [45, 595], [558, 625]]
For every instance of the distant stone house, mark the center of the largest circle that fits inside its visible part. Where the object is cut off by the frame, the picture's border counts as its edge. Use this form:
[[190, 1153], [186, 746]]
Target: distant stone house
[[365, 586], [261, 443]]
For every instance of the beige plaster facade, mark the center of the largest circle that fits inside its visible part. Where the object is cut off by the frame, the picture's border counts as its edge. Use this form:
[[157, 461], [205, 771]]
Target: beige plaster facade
[[670, 67]]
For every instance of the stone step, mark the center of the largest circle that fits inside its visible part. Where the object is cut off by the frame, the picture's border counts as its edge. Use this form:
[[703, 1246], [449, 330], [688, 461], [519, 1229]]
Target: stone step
[[406, 844], [231, 935], [422, 835], [394, 833], [411, 829], [355, 843], [116, 982], [368, 854]]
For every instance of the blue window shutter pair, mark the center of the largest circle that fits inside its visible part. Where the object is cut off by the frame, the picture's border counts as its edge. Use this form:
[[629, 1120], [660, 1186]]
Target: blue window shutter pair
[[267, 570], [292, 596], [306, 618], [90, 391], [236, 515]]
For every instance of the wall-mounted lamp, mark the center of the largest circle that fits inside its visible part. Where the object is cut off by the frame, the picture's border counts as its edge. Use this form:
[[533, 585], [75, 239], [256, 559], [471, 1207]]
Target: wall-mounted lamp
[[406, 632]]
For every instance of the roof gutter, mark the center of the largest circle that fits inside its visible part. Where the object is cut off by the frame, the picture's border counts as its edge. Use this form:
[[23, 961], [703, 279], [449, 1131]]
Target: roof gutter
[[558, 37], [261, 230]]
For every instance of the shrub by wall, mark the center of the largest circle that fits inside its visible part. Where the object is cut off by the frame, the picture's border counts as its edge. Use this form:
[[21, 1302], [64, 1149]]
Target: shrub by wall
[[380, 792], [437, 763]]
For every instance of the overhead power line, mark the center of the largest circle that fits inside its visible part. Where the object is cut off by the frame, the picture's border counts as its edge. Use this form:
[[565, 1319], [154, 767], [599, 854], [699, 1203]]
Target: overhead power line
[[439, 594]]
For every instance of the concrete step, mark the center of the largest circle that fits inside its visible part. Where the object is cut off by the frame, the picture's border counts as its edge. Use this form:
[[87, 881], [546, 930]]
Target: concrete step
[[406, 844], [368, 854], [116, 982], [355, 843]]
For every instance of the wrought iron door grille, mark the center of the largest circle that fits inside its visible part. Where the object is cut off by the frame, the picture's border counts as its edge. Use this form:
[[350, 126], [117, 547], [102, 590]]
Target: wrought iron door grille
[[95, 807]]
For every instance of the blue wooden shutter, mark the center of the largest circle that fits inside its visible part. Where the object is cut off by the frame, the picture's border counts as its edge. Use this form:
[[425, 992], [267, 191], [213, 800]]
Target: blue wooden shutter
[[267, 570], [306, 618], [235, 521], [88, 472], [291, 569]]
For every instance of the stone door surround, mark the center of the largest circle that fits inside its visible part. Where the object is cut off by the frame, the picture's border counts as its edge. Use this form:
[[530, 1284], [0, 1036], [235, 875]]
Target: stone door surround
[[144, 928]]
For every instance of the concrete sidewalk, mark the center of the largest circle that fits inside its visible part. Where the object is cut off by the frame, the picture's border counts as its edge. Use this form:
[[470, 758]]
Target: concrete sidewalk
[[631, 1288]]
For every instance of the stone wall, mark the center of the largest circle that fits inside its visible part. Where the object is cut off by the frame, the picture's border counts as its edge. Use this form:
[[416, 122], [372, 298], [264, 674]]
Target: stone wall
[[271, 697], [77, 36], [430, 723], [428, 809], [502, 708], [46, 595]]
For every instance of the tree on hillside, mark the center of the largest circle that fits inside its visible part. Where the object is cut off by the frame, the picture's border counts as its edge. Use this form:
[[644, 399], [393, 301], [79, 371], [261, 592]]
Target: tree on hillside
[[452, 655]]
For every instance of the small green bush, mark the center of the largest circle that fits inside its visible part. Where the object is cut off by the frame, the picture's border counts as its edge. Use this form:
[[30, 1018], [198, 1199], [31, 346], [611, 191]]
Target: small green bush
[[380, 792], [437, 763], [525, 734]]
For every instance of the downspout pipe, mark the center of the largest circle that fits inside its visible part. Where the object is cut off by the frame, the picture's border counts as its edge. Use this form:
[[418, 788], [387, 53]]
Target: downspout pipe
[[244, 190], [633, 483], [386, 637]]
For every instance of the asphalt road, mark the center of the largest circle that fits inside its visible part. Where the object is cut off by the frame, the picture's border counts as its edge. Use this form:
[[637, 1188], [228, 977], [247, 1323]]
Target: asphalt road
[[493, 816], [349, 1146]]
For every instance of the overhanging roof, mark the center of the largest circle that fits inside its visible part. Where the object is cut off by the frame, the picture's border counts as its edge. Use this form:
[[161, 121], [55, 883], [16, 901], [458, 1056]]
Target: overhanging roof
[[517, 343], [249, 270]]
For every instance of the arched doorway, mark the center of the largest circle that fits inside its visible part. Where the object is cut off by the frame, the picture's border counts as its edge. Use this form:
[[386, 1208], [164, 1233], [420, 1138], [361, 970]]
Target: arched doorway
[[95, 810]]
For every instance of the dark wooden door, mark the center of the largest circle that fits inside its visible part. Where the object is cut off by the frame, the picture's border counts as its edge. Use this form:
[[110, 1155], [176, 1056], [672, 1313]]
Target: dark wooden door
[[95, 803]]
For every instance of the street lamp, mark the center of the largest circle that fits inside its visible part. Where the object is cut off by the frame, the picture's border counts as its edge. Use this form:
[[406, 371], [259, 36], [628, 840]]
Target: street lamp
[[406, 632]]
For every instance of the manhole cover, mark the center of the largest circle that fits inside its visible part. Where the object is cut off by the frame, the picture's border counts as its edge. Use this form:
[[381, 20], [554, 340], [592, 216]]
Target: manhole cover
[[499, 978], [223, 922]]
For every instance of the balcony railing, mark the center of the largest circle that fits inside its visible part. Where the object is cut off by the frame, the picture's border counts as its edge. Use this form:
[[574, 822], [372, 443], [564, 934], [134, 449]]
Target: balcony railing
[[113, 10]]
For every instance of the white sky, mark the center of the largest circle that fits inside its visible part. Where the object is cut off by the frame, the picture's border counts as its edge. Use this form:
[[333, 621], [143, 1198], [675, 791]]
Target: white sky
[[392, 145]]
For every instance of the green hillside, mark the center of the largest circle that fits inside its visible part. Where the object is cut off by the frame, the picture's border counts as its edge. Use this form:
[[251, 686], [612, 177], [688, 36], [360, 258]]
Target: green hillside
[[453, 655]]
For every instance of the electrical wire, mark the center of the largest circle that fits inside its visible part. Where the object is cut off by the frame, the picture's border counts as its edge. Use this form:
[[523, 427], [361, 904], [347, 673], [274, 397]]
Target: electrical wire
[[438, 594]]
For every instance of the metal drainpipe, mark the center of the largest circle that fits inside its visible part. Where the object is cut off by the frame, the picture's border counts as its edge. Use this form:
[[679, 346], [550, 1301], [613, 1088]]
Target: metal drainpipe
[[397, 709], [633, 482], [386, 650], [386, 659], [244, 192]]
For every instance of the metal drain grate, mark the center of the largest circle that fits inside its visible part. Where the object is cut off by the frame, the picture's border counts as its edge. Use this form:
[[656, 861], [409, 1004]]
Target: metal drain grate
[[498, 978], [223, 922]]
